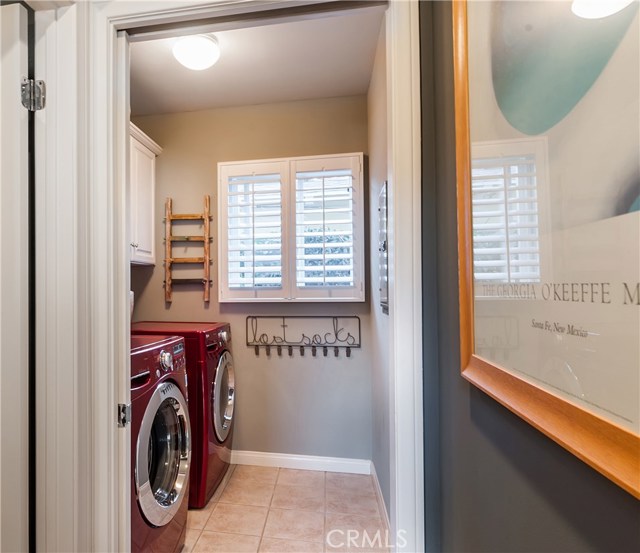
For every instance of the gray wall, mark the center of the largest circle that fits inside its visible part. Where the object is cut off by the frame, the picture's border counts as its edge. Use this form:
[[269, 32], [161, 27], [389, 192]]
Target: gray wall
[[380, 335], [503, 485], [298, 405]]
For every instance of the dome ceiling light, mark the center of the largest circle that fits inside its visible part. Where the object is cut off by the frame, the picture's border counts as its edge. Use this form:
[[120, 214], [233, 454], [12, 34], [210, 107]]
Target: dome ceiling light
[[597, 9], [197, 52]]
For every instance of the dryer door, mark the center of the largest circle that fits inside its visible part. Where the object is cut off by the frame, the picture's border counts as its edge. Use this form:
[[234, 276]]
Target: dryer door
[[163, 454], [223, 397]]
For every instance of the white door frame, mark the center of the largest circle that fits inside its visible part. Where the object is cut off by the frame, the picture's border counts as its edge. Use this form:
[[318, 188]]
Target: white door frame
[[83, 306], [14, 282]]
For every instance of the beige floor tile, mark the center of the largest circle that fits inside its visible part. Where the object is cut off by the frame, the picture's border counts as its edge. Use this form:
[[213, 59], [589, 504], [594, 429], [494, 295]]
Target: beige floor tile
[[355, 533], [301, 498], [356, 549], [354, 482], [272, 545], [247, 493], [219, 542], [190, 540], [216, 495], [294, 525], [350, 502], [294, 477], [286, 510], [237, 519], [342, 521], [197, 518], [265, 475]]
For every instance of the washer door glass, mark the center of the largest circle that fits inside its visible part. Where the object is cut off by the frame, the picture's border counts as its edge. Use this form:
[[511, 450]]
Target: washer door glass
[[223, 397], [163, 454]]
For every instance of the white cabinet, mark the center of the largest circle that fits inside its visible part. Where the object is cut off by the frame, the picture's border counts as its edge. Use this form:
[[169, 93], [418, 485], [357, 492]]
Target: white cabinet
[[142, 187]]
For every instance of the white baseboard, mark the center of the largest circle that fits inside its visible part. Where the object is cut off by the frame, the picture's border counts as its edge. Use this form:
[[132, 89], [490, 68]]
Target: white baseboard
[[381, 504], [304, 462]]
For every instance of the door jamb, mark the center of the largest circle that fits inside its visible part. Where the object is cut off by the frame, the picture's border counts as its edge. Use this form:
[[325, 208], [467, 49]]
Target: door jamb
[[90, 171]]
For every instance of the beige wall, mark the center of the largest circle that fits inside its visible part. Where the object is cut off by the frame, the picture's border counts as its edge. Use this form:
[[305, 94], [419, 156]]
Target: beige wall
[[307, 406], [380, 337]]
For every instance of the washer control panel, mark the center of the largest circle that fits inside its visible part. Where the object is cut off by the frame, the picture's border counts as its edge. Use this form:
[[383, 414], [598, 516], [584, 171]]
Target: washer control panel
[[166, 361]]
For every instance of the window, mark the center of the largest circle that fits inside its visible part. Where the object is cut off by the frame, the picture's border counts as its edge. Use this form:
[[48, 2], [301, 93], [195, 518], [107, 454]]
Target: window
[[507, 186], [291, 229]]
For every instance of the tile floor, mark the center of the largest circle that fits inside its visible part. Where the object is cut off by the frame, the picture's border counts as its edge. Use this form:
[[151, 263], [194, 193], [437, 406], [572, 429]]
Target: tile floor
[[270, 510]]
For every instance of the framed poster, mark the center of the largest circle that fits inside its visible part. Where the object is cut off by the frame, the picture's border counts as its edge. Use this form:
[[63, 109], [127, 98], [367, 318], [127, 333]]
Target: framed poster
[[548, 165]]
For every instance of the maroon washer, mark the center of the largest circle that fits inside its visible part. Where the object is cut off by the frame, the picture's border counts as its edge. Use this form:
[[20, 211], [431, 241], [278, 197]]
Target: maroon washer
[[160, 444], [211, 399]]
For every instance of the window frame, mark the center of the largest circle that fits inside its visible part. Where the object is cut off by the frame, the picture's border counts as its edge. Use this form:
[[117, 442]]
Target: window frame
[[290, 292]]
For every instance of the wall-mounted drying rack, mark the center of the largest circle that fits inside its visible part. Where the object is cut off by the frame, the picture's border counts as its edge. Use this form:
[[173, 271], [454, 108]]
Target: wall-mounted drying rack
[[289, 333], [170, 239]]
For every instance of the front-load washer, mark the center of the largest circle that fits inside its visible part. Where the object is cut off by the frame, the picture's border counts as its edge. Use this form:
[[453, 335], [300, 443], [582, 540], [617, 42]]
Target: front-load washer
[[160, 444], [211, 399]]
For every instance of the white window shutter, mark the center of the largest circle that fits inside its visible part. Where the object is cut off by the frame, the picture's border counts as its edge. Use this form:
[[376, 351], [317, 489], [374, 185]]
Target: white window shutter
[[251, 203], [292, 234]]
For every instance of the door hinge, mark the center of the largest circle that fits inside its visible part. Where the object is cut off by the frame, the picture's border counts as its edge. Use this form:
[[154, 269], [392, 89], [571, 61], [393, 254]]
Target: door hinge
[[33, 94], [124, 414]]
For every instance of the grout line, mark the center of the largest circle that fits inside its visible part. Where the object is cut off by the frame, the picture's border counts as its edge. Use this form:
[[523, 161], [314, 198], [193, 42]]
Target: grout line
[[325, 511], [268, 509]]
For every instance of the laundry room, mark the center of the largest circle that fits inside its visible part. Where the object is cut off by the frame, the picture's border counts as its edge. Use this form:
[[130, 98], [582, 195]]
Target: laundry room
[[309, 384]]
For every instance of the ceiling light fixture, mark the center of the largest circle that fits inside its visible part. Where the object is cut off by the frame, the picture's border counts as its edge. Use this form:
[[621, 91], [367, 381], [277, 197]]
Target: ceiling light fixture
[[197, 52], [597, 9]]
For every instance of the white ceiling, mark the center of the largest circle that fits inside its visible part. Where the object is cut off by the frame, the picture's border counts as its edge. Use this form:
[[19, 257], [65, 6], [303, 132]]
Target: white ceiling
[[315, 58]]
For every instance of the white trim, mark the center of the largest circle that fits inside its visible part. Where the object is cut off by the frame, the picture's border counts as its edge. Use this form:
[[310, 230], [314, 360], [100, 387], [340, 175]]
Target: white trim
[[380, 497], [42, 5], [14, 283], [61, 418], [143, 138], [302, 462], [121, 326], [405, 274]]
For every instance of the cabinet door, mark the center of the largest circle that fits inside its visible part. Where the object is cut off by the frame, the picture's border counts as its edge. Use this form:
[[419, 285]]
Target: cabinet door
[[143, 166]]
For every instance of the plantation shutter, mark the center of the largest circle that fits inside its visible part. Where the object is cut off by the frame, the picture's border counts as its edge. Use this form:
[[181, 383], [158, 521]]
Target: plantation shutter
[[505, 190], [291, 229], [324, 228], [254, 221], [252, 250]]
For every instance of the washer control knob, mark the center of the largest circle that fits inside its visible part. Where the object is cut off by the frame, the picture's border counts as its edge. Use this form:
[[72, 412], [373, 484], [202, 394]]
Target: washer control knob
[[166, 361]]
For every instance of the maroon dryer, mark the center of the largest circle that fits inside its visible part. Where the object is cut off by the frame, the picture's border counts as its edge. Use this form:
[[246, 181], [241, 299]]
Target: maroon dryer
[[160, 444], [211, 384]]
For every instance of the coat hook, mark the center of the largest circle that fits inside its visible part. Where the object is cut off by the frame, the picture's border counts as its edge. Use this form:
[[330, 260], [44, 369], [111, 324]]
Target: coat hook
[[279, 351], [290, 351], [313, 350], [268, 351], [335, 351], [302, 351], [324, 350], [348, 352], [257, 350]]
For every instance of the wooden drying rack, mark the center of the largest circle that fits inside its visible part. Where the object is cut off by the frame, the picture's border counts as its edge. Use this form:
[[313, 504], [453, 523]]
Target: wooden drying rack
[[170, 239]]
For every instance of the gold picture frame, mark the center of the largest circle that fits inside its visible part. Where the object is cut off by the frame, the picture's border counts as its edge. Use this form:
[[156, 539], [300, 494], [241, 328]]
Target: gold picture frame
[[609, 448]]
